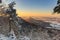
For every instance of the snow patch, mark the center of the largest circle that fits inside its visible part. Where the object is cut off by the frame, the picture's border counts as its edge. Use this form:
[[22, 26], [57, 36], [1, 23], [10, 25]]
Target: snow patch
[[11, 36]]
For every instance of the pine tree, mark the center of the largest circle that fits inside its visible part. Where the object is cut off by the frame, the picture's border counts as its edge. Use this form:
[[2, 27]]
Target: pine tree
[[57, 8]]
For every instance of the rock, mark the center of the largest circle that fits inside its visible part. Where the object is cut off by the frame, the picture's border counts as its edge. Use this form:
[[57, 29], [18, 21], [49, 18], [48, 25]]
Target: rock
[[4, 25]]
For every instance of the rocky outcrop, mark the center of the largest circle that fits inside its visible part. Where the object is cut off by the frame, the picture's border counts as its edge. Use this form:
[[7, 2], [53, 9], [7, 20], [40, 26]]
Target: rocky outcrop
[[4, 25], [29, 31]]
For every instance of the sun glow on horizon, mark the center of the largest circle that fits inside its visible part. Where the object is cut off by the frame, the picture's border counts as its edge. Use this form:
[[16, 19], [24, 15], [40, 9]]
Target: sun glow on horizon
[[36, 14]]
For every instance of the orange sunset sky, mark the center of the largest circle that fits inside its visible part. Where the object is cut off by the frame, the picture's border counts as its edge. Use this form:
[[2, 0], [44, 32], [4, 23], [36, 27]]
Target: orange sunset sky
[[36, 14], [35, 8]]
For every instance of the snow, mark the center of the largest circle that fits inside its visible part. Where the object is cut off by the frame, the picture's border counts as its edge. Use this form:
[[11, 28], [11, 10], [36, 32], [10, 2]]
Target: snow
[[11, 36], [24, 38], [55, 25], [2, 37]]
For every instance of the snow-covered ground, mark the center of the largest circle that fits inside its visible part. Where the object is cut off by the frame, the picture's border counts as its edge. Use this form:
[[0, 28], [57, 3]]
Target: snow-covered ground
[[24, 38], [2, 37], [55, 25], [13, 37]]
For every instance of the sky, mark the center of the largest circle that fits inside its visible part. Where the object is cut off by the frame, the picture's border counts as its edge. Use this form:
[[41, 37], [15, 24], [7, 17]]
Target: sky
[[34, 7]]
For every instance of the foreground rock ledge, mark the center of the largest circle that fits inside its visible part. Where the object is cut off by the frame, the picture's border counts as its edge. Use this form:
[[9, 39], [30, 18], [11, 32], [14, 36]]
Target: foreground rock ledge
[[27, 33]]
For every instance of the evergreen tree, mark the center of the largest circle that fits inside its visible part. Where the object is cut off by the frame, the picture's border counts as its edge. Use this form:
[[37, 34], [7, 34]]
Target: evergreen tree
[[57, 8]]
